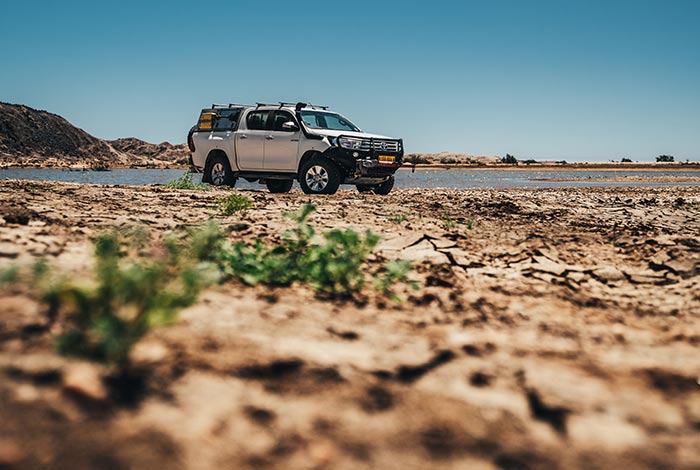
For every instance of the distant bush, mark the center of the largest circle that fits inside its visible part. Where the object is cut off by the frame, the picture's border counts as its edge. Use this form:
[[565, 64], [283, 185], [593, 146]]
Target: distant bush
[[529, 162], [185, 182], [665, 158], [626, 160], [234, 203], [448, 161], [509, 159]]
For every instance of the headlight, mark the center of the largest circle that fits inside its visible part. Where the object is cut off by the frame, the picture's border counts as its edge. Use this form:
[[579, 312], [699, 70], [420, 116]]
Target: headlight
[[350, 143]]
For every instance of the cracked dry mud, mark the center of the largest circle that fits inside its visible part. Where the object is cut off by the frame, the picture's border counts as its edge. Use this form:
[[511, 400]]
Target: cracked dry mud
[[553, 329]]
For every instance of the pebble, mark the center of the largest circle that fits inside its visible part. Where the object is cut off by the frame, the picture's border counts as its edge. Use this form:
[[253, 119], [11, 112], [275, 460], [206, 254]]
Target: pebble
[[149, 352], [10, 453], [608, 274], [26, 393], [85, 380]]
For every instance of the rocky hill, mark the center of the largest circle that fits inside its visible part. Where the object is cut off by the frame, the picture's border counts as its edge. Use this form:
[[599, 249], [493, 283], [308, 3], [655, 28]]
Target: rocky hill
[[35, 138]]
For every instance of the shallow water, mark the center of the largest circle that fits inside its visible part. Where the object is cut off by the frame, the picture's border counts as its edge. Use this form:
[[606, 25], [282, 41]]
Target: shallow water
[[454, 179]]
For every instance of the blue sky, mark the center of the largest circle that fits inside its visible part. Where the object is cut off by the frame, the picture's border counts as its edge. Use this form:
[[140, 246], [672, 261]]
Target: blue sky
[[576, 80]]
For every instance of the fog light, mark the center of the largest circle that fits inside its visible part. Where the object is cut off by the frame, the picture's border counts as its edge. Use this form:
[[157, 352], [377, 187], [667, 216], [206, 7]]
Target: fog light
[[355, 154]]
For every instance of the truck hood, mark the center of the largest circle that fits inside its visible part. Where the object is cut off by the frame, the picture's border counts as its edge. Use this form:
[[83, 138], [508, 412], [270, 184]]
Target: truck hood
[[332, 133]]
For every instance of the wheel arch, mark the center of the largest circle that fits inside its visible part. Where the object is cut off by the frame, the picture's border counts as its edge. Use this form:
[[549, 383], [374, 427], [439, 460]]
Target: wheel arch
[[214, 153], [217, 153], [309, 154]]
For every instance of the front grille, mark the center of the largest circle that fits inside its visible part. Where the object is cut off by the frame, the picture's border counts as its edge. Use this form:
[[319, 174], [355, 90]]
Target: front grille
[[380, 145]]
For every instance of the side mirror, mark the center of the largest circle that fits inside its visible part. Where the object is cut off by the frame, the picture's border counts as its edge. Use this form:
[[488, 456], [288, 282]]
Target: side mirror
[[290, 126]]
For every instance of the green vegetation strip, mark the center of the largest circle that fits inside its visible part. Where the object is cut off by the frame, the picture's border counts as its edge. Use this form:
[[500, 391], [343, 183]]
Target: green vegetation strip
[[136, 287], [185, 182]]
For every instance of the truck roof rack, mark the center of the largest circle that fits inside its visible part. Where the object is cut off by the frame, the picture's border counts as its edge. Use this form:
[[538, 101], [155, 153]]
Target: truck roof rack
[[298, 105], [230, 105]]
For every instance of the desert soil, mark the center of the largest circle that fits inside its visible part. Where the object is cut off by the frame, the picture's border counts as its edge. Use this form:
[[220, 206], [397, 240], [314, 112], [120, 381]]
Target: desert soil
[[554, 329]]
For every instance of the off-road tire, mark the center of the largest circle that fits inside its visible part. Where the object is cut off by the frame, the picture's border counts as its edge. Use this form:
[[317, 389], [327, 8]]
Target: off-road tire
[[319, 176], [279, 186], [364, 188], [218, 172], [385, 187]]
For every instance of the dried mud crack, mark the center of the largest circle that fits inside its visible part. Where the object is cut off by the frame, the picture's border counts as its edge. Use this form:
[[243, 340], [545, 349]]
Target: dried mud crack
[[553, 329]]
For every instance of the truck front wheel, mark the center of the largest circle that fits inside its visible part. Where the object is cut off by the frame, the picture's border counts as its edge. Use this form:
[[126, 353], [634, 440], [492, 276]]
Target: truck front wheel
[[319, 176]]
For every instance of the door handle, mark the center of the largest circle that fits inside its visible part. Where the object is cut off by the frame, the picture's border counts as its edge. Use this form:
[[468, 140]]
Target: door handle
[[243, 136], [270, 137]]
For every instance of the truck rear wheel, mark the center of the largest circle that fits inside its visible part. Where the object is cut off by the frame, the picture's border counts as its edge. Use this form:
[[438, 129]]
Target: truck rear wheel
[[218, 172], [381, 188], [319, 176], [279, 186], [385, 187]]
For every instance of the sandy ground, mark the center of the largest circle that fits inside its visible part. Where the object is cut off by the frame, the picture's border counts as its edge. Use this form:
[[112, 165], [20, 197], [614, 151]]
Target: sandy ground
[[554, 329]]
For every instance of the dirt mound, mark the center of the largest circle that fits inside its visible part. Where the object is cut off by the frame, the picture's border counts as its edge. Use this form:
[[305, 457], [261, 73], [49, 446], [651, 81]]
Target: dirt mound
[[35, 138], [165, 151]]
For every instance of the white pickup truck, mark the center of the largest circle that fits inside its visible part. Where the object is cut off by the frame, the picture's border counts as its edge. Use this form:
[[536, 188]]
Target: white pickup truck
[[277, 144]]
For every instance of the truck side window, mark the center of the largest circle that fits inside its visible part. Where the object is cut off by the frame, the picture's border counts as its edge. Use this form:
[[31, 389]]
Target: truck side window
[[257, 120], [311, 119], [280, 118], [226, 119]]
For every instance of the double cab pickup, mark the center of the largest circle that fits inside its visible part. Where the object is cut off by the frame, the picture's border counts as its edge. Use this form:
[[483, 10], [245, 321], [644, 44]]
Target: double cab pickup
[[277, 144]]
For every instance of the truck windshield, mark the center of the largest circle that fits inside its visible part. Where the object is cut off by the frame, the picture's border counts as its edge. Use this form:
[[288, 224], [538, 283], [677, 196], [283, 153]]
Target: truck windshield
[[331, 121]]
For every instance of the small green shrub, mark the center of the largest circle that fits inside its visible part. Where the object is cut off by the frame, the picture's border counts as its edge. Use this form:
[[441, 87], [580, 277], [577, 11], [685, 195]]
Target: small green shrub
[[448, 222], [185, 182], [397, 219], [333, 267], [233, 204], [9, 275], [394, 272], [132, 292]]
